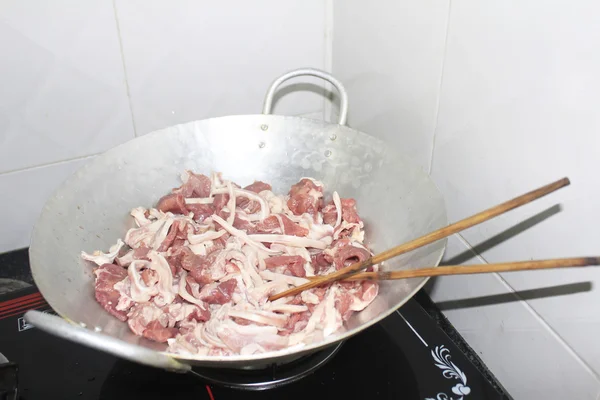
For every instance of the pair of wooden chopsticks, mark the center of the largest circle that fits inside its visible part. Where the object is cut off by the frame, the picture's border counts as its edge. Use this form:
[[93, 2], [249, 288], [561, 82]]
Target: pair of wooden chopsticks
[[353, 271]]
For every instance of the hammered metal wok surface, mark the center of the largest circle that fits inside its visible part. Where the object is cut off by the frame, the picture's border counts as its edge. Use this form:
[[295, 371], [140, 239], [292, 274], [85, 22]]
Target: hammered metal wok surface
[[89, 211]]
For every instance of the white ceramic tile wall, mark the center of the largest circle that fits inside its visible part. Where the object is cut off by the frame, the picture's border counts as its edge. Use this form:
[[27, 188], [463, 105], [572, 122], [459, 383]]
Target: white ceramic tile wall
[[189, 60], [518, 105], [23, 196], [389, 56], [519, 108], [68, 68], [63, 94], [526, 357]]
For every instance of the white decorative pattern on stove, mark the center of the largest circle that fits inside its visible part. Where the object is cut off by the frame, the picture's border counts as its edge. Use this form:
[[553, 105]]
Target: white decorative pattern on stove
[[441, 356]]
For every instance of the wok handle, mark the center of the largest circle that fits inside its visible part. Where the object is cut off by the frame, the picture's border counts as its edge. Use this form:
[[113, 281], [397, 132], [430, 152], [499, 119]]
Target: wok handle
[[268, 104], [61, 328]]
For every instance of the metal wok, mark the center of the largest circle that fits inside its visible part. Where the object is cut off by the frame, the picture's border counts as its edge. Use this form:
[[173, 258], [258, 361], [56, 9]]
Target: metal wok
[[89, 211]]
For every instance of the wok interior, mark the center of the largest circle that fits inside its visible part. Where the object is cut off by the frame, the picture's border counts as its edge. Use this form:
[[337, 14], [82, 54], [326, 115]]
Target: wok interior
[[91, 209]]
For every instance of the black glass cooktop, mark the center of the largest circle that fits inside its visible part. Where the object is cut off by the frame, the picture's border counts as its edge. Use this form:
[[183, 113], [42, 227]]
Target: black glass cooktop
[[406, 356]]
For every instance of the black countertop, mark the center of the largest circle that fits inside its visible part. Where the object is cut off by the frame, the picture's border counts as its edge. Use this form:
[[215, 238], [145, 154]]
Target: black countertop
[[15, 274]]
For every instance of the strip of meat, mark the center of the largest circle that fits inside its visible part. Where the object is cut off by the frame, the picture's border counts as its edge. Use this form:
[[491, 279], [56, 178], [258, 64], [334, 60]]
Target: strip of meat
[[150, 235], [184, 293], [240, 234], [287, 240], [218, 293], [260, 317], [288, 279], [200, 211], [277, 204], [155, 331], [258, 187], [236, 192], [101, 258], [294, 264], [237, 336], [166, 293], [305, 197], [210, 235], [174, 203], [140, 292], [349, 255], [142, 314], [194, 185], [140, 214], [107, 275]]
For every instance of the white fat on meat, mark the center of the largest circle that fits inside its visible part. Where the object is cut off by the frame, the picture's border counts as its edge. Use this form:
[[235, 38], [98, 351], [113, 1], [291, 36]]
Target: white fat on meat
[[313, 180], [125, 259], [252, 348], [332, 320], [285, 308], [184, 293], [203, 237], [262, 292], [141, 315], [297, 251], [237, 192], [292, 251], [155, 214], [162, 233], [357, 234], [318, 231], [260, 316], [338, 208], [199, 200], [305, 335], [101, 258], [309, 297], [242, 235], [360, 303], [248, 271], [325, 320], [274, 203], [139, 215], [201, 249], [249, 275], [145, 235], [139, 291], [288, 240], [231, 203], [166, 291], [287, 279], [216, 182], [125, 300], [236, 336]]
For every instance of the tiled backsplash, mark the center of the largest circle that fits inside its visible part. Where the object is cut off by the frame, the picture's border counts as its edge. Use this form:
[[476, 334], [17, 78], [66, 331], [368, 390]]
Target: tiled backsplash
[[78, 78], [496, 98]]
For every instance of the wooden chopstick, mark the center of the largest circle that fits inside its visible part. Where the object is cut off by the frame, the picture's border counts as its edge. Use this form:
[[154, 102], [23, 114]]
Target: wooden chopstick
[[429, 238], [474, 269]]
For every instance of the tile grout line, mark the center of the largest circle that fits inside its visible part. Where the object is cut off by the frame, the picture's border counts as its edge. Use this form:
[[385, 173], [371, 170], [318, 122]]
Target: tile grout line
[[439, 99], [328, 57], [114, 3], [537, 316], [48, 164]]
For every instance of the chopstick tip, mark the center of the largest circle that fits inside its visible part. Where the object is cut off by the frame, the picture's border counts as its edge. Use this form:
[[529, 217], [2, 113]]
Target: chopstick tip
[[592, 260]]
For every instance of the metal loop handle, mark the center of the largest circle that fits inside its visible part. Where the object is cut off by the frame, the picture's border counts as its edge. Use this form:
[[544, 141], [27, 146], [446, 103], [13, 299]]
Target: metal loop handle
[[309, 72], [61, 328]]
